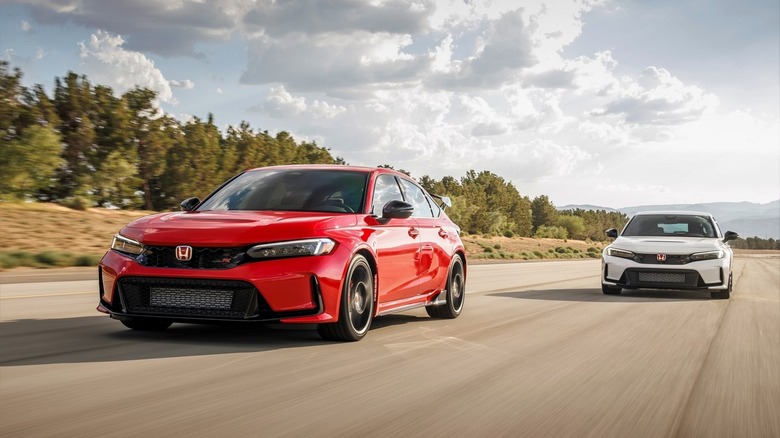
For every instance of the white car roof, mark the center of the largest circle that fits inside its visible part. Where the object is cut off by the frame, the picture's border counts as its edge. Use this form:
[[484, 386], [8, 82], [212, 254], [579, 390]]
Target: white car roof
[[674, 213]]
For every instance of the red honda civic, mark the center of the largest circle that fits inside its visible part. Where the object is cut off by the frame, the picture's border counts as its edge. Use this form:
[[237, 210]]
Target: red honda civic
[[312, 244]]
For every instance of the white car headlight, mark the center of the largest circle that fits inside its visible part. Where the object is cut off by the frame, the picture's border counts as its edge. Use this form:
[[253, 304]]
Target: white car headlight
[[709, 255], [614, 252], [126, 245], [295, 248]]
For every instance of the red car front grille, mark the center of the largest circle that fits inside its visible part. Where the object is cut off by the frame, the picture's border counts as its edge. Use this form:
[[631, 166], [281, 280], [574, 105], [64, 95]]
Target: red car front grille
[[202, 257], [179, 297]]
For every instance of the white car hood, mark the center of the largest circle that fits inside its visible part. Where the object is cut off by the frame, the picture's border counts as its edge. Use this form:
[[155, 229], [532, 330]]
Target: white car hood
[[667, 245]]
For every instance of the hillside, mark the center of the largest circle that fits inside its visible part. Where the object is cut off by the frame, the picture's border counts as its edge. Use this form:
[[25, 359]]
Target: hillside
[[48, 234]]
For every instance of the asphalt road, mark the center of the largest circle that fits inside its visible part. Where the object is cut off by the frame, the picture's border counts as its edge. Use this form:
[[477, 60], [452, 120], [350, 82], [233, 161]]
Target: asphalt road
[[538, 352]]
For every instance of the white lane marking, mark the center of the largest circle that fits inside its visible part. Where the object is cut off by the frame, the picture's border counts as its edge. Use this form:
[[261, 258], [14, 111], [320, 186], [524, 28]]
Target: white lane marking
[[47, 295]]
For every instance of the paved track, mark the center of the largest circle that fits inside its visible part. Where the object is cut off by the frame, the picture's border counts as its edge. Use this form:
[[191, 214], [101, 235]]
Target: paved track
[[538, 352]]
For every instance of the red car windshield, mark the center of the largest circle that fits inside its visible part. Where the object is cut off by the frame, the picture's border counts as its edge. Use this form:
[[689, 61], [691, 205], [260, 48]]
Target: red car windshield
[[319, 190]]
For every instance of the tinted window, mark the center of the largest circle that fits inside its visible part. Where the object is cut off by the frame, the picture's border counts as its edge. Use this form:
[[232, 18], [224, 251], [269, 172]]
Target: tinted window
[[385, 190], [670, 225], [292, 190], [416, 196]]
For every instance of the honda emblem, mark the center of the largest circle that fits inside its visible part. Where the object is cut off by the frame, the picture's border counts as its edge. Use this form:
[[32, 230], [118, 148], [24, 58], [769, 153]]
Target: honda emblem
[[660, 257], [183, 253]]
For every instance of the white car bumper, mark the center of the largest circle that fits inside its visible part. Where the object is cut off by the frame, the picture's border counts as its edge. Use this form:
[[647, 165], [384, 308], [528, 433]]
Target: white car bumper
[[705, 274]]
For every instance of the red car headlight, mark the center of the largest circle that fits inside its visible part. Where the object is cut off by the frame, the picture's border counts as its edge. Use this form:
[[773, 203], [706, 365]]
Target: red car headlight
[[126, 245], [294, 248]]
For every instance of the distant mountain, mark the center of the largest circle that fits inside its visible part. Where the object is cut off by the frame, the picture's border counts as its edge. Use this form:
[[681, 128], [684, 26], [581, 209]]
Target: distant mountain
[[746, 218]]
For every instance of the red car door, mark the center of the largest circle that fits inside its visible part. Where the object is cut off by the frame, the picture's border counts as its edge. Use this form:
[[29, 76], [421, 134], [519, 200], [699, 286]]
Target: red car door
[[397, 245], [433, 260]]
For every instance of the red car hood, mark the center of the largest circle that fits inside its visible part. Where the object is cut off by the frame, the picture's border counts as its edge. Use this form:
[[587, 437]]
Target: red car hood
[[232, 228]]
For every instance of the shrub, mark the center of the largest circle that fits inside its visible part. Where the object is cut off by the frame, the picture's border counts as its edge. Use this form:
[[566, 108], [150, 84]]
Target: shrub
[[77, 203], [551, 232], [86, 260], [7, 261], [54, 258], [22, 258]]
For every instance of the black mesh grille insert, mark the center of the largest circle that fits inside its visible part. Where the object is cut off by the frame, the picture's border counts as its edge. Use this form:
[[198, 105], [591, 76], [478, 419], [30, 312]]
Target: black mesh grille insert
[[186, 297], [677, 278], [202, 257]]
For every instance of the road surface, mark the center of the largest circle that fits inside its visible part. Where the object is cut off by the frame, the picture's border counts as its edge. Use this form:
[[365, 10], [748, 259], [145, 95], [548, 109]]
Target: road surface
[[538, 352]]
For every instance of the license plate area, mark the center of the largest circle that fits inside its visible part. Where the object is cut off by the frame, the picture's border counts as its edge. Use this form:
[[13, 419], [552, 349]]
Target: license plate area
[[185, 298], [661, 277]]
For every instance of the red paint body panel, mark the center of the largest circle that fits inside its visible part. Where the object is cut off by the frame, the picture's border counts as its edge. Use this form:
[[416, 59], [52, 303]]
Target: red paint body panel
[[410, 257]]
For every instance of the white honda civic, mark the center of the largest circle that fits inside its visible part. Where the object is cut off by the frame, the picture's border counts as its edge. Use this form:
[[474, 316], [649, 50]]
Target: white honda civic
[[669, 250]]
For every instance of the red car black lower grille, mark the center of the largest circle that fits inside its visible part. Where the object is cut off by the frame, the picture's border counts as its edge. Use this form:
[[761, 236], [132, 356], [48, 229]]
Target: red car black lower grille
[[179, 297]]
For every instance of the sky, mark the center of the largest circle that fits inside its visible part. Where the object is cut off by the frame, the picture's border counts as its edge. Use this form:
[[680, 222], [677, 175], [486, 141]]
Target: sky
[[601, 102]]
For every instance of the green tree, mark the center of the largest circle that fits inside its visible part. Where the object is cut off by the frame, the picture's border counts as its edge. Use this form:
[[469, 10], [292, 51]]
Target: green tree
[[596, 221], [574, 226], [192, 162], [152, 135], [73, 100], [543, 212], [116, 181], [11, 105], [30, 162]]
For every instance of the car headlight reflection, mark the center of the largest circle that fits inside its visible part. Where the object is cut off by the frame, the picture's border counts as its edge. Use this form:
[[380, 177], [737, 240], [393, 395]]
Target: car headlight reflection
[[709, 255], [296, 248], [126, 245], [614, 252]]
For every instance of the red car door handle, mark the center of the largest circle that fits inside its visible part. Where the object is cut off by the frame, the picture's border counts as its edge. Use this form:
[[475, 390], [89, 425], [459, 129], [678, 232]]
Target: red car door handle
[[443, 233], [413, 232]]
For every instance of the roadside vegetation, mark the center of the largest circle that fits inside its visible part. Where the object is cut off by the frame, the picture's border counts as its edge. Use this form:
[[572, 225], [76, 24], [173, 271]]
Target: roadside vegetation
[[50, 235], [113, 158]]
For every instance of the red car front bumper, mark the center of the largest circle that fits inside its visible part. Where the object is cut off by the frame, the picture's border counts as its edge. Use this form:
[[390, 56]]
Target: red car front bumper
[[294, 290]]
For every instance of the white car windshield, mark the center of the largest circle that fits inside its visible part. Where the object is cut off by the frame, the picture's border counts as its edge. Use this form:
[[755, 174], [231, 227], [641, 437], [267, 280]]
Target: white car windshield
[[670, 225]]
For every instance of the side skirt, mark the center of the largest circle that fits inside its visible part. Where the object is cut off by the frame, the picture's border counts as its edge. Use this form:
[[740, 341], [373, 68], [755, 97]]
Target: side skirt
[[438, 299]]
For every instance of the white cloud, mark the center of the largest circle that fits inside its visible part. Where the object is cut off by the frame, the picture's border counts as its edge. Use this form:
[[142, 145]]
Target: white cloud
[[658, 98], [164, 28], [326, 62], [107, 62], [186, 84], [9, 54], [26, 27], [324, 110], [280, 103], [502, 50], [318, 17]]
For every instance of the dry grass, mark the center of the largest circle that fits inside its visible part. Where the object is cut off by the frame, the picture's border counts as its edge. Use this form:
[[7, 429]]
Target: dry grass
[[526, 248], [43, 228], [36, 228]]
